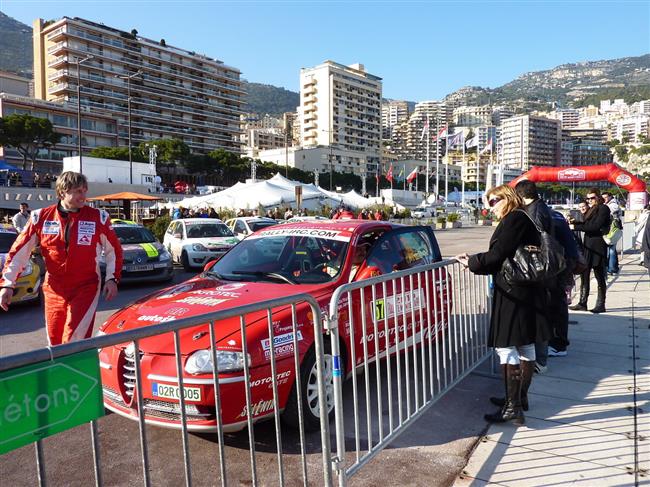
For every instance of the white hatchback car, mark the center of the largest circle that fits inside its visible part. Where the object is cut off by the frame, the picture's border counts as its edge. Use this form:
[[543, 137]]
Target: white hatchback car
[[243, 226], [193, 242]]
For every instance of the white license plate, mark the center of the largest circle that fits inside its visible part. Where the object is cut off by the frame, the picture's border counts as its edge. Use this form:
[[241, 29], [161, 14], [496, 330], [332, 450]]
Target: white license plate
[[171, 392], [137, 268]]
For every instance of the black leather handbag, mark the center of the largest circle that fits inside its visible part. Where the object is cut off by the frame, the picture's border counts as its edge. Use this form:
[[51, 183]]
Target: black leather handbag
[[534, 265]]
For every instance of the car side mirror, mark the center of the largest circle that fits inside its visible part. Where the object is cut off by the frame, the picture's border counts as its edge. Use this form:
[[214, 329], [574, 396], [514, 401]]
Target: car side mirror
[[178, 235], [210, 264]]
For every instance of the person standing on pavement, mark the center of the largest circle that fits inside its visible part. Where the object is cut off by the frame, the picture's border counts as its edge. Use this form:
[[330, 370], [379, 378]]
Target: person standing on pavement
[[558, 312], [617, 213], [596, 224], [73, 237], [21, 218], [518, 319]]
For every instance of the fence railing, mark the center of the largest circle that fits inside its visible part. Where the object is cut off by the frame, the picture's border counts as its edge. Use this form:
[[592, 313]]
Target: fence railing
[[296, 308], [429, 324]]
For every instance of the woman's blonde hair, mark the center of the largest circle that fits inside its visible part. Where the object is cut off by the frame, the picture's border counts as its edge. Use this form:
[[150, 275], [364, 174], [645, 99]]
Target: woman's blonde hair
[[69, 180], [505, 192]]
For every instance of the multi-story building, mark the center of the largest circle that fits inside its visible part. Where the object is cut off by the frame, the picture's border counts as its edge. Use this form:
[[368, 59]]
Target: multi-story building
[[640, 107], [595, 134], [254, 121], [414, 140], [393, 113], [341, 106], [469, 116], [15, 85], [486, 134], [528, 141], [255, 140], [630, 128], [98, 130], [568, 117], [566, 152], [588, 152], [174, 93], [500, 113]]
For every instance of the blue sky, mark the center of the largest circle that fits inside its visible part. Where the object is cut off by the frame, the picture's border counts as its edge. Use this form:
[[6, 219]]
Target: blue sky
[[422, 49]]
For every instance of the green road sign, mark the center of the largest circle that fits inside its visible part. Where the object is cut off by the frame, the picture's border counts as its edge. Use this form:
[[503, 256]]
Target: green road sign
[[43, 399]]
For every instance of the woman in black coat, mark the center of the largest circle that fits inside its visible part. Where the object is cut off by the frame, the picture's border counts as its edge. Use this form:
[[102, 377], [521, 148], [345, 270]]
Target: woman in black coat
[[596, 224], [518, 312]]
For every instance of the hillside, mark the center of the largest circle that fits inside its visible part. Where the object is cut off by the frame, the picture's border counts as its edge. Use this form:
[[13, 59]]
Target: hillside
[[568, 84], [269, 99], [15, 46]]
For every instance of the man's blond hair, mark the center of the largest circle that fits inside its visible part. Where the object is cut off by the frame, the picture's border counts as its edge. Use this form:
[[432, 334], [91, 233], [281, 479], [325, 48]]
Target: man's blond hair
[[69, 180]]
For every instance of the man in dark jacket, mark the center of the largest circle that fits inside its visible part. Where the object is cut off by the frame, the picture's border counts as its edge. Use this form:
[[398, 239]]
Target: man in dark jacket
[[558, 313]]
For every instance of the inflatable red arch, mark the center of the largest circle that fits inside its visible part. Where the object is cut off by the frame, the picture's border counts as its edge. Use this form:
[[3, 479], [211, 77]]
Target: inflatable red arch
[[637, 195]]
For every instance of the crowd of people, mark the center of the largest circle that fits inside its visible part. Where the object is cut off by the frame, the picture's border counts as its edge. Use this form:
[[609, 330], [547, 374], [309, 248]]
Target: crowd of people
[[24, 179], [529, 319]]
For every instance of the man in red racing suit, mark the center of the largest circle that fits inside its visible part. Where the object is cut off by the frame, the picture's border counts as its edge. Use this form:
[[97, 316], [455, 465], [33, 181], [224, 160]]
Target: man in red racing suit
[[73, 239]]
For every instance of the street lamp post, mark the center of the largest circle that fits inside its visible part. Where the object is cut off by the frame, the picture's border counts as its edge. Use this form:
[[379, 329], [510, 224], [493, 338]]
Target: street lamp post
[[78, 63], [128, 108]]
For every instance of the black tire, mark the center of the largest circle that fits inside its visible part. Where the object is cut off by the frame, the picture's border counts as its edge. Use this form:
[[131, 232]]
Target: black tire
[[307, 377], [185, 262]]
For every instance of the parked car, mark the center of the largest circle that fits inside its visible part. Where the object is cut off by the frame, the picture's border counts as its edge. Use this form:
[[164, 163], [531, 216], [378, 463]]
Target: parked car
[[28, 285], [193, 242], [428, 212], [309, 257], [243, 226], [145, 258]]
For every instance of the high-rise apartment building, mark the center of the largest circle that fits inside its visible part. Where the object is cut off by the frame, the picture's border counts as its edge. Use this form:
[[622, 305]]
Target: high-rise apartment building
[[470, 116], [630, 128], [500, 113], [341, 106], [568, 117], [527, 141], [393, 113], [417, 135], [174, 93]]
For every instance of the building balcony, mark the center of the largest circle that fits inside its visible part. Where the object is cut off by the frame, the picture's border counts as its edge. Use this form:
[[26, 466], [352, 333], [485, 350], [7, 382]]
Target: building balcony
[[58, 62], [57, 48]]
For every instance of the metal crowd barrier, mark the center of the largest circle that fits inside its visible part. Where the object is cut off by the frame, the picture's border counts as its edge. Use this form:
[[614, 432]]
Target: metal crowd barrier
[[433, 344], [135, 336]]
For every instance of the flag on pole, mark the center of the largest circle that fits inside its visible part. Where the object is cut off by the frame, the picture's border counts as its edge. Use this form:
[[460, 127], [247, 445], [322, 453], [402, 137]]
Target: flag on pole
[[400, 176], [455, 139], [389, 174], [473, 142], [488, 146], [425, 129], [441, 134], [412, 175]]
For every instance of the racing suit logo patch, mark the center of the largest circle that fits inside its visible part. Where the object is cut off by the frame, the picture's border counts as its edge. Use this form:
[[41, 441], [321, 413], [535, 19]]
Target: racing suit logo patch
[[51, 227], [84, 239], [86, 227]]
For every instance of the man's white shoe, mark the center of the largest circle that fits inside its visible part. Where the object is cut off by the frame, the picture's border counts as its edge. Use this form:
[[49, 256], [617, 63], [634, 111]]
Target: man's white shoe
[[540, 369], [552, 352]]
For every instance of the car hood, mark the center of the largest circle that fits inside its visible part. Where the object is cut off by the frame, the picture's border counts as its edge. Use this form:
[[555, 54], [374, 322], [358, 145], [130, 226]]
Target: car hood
[[196, 297], [142, 251], [213, 241]]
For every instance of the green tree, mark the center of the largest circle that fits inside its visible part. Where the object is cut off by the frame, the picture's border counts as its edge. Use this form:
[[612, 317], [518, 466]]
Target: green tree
[[28, 135], [117, 153]]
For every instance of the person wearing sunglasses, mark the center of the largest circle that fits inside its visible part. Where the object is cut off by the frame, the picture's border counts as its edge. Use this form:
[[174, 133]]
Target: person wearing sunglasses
[[596, 223], [518, 318]]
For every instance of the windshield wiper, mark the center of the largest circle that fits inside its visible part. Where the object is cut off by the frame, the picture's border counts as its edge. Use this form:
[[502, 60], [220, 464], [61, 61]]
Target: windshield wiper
[[273, 275], [217, 275]]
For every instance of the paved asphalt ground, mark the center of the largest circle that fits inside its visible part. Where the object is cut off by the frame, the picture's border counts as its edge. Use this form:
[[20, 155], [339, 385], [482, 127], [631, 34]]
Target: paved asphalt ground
[[432, 452]]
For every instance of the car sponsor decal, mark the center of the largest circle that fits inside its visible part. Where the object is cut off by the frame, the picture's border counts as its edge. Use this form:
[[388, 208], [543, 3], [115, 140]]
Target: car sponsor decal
[[282, 344], [259, 407], [7, 229], [231, 287], [303, 232], [156, 318], [150, 249], [170, 293], [86, 227], [400, 303], [51, 227], [282, 378], [202, 300], [177, 311], [214, 292], [623, 179]]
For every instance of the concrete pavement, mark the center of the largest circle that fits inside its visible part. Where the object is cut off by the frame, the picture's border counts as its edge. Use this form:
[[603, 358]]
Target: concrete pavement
[[580, 429]]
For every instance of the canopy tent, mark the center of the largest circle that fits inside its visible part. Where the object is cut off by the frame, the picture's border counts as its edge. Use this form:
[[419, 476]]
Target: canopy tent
[[124, 196], [5, 166]]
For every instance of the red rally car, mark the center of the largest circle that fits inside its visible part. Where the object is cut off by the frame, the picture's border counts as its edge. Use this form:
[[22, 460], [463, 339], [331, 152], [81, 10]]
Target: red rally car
[[311, 257]]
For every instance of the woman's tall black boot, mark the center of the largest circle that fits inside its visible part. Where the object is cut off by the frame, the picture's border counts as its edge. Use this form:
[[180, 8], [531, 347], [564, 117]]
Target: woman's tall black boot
[[584, 293], [512, 410], [527, 371]]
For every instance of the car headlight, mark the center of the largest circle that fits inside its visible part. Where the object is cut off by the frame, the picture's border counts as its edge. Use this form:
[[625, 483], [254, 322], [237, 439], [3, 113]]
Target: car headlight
[[164, 255], [28, 270], [199, 247], [200, 362]]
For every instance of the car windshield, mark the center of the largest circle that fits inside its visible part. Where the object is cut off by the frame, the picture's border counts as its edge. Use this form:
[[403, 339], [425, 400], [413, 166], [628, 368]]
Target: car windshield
[[255, 226], [6, 241], [290, 259], [201, 230], [134, 235]]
